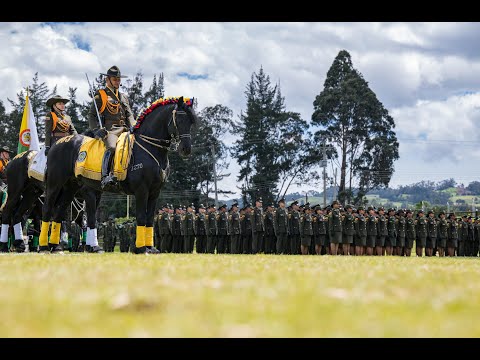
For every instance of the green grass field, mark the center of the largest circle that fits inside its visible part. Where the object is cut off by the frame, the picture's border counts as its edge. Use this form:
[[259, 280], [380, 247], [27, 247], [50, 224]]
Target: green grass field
[[191, 295]]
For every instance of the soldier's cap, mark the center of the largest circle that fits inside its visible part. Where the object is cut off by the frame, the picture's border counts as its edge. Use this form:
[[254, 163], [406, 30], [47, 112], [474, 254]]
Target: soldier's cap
[[211, 206], [451, 214], [5, 148], [391, 209], [54, 99], [222, 206], [111, 217], [360, 208], [335, 202], [430, 212], [420, 211], [281, 200], [191, 206], [464, 216], [381, 208], [201, 206], [370, 208], [166, 206], [259, 200], [294, 203], [307, 207], [235, 204], [469, 218], [348, 206], [400, 211], [114, 71], [441, 213]]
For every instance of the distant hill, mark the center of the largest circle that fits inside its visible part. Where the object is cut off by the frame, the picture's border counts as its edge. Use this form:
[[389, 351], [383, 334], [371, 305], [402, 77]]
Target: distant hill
[[441, 194]]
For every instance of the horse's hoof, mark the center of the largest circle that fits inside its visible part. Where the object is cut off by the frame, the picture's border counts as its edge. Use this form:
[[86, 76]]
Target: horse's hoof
[[44, 250], [56, 249], [140, 250], [19, 246], [4, 247], [152, 250], [94, 249]]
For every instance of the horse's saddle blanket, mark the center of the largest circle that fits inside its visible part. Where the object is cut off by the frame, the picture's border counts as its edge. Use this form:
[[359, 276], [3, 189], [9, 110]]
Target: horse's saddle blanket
[[37, 163], [90, 156]]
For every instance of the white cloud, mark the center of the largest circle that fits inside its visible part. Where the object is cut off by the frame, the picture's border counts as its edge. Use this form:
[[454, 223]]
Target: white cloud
[[419, 71]]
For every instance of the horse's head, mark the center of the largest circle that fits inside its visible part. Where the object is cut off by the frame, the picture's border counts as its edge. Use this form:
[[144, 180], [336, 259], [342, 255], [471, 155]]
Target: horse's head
[[179, 127]]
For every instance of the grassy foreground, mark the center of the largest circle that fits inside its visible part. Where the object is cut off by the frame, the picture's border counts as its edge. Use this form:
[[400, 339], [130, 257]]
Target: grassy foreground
[[191, 295]]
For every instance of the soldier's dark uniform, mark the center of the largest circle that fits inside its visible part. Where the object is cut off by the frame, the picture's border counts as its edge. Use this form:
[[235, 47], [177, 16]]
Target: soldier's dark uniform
[[156, 230], [476, 242], [189, 231], [452, 235], [432, 233], [165, 231], [222, 230], [371, 229], [411, 233], [58, 124], [211, 229], [306, 231], [421, 231], [117, 116], [177, 232], [269, 236], [75, 233], [442, 227], [319, 230], [109, 236], [470, 238], [335, 226], [382, 231], [401, 232], [360, 229], [280, 224], [462, 236], [122, 237], [348, 227], [235, 229], [258, 228], [391, 240], [201, 231], [133, 235], [247, 230], [294, 226]]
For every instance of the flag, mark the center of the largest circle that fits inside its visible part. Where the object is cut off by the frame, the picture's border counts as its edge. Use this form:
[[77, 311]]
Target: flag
[[28, 137]]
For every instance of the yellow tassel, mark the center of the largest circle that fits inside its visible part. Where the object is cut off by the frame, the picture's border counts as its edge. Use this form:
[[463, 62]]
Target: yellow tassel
[[55, 235], [140, 236], [43, 238], [148, 236]]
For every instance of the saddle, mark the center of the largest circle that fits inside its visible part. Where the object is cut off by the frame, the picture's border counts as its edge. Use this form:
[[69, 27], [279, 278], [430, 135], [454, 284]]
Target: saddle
[[90, 155]]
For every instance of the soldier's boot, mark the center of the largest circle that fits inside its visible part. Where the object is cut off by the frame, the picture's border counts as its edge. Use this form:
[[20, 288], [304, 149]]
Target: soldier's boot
[[152, 250], [107, 176], [4, 247], [19, 246]]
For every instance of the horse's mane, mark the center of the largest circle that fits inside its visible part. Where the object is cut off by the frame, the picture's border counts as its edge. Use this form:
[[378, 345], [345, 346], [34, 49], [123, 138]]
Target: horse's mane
[[160, 102]]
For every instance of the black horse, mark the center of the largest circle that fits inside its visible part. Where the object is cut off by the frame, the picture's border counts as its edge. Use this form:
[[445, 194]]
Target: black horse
[[164, 126], [24, 201]]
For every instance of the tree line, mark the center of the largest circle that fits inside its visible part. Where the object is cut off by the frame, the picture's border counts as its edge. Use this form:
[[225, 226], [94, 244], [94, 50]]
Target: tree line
[[275, 147]]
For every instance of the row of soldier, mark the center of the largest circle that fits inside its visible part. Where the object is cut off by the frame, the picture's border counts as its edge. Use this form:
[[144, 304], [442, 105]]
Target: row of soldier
[[302, 229]]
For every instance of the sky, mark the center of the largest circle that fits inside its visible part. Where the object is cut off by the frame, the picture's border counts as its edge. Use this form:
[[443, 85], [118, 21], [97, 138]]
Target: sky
[[427, 75]]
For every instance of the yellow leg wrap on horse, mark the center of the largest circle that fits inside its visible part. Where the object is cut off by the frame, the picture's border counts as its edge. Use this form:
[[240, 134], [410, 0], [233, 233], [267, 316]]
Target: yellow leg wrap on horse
[[140, 236], [148, 236], [55, 235], [43, 239]]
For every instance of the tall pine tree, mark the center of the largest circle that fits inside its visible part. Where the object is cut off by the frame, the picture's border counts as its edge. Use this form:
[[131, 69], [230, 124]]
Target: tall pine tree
[[352, 118]]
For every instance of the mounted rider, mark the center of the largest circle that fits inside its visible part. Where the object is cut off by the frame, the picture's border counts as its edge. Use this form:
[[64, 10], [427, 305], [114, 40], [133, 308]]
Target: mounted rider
[[57, 123], [116, 115]]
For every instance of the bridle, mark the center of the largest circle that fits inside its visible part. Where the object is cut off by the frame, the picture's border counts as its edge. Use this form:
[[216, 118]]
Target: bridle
[[175, 136]]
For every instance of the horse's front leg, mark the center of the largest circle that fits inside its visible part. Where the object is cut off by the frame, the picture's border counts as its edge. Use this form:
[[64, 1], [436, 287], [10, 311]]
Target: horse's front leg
[[149, 238], [92, 199], [141, 204]]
